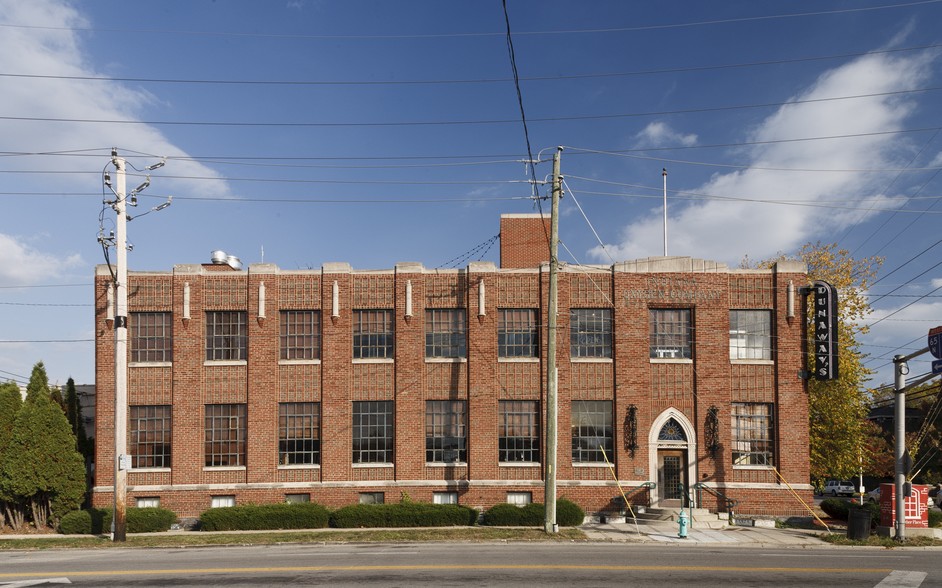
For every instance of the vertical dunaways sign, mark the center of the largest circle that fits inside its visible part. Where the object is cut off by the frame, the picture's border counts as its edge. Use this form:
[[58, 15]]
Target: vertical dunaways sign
[[825, 331]]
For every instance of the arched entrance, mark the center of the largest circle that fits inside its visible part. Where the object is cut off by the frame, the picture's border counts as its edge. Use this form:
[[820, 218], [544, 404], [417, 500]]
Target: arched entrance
[[672, 440]]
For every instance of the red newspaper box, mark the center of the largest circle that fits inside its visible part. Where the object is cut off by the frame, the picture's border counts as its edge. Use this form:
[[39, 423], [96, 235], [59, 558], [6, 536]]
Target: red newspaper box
[[915, 509]]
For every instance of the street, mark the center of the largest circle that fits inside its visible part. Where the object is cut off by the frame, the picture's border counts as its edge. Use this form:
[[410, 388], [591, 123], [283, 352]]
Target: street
[[490, 564]]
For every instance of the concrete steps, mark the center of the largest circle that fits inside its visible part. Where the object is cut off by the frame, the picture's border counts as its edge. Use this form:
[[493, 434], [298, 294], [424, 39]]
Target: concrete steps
[[700, 518]]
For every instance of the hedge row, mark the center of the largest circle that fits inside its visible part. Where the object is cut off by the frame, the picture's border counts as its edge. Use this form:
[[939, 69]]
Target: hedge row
[[98, 520], [315, 516], [404, 514], [265, 516], [568, 514]]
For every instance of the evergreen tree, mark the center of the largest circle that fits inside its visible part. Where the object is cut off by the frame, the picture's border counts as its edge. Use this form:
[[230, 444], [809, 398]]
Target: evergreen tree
[[41, 467], [10, 403]]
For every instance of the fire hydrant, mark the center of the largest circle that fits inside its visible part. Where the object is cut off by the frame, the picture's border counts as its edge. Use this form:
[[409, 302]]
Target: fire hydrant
[[682, 523]]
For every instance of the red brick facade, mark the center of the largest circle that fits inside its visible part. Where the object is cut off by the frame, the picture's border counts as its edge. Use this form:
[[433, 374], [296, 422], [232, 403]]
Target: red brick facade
[[644, 392]]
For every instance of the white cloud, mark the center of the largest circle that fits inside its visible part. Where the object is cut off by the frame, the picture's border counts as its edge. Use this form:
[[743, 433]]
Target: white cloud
[[658, 134], [23, 265], [727, 230]]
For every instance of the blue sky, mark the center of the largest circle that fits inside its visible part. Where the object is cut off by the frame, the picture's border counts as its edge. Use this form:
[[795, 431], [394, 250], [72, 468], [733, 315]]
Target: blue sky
[[303, 132]]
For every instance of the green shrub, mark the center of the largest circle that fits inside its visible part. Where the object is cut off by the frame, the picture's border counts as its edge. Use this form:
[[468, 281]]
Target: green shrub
[[835, 508], [404, 514], [95, 521], [935, 518], [255, 517], [568, 514]]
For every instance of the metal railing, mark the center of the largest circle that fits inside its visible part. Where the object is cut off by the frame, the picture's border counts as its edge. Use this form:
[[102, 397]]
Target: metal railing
[[730, 502], [623, 500]]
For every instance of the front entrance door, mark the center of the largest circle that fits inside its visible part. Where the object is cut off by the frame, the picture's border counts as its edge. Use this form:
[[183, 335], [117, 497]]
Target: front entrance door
[[671, 476]]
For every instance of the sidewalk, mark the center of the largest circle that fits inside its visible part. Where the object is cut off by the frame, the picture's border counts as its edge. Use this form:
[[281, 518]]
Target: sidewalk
[[666, 532]]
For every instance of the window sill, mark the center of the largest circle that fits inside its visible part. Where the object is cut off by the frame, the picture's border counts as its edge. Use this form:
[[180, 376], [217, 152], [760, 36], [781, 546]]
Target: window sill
[[224, 362], [373, 465], [150, 470], [446, 360], [136, 364], [752, 361], [518, 360], [753, 467], [591, 359], [299, 362], [373, 360], [446, 464], [223, 468], [300, 466], [519, 464], [589, 464], [670, 360]]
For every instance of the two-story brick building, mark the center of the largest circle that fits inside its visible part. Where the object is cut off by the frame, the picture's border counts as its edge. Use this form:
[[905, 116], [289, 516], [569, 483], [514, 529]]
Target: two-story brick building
[[338, 385]]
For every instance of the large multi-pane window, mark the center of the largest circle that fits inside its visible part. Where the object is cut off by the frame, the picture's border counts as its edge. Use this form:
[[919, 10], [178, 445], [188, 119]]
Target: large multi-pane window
[[591, 431], [299, 433], [517, 333], [149, 443], [445, 332], [671, 333], [226, 335], [225, 432], [519, 431], [373, 334], [151, 335], [446, 425], [590, 332], [750, 334], [300, 334], [373, 431], [753, 433]]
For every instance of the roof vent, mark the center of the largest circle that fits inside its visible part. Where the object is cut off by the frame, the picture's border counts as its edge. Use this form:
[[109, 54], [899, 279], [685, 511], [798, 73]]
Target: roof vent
[[220, 257]]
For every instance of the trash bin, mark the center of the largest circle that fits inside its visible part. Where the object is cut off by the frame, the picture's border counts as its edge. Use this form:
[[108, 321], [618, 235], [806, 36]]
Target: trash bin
[[858, 524]]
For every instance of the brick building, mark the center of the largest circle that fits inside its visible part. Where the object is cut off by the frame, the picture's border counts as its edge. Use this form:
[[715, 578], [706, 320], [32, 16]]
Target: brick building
[[338, 385]]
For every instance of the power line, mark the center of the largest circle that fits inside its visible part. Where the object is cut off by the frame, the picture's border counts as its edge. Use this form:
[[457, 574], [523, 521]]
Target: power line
[[467, 122], [336, 37]]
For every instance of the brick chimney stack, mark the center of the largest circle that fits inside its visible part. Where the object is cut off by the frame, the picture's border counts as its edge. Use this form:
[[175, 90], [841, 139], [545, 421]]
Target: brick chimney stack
[[524, 240]]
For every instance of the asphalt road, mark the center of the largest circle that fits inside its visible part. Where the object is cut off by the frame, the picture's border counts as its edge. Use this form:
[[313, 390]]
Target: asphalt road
[[472, 564]]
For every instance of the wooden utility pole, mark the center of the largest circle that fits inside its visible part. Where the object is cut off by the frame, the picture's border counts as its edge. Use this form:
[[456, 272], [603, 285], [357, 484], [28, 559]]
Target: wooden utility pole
[[550, 525]]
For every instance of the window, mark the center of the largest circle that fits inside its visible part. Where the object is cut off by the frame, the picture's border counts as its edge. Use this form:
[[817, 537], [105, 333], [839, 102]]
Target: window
[[520, 499], [519, 431], [591, 430], [225, 435], [373, 431], [299, 433], [372, 334], [297, 498], [372, 498], [753, 434], [446, 424], [445, 332], [150, 436], [517, 334], [750, 334], [226, 335], [151, 335], [590, 332], [300, 334], [147, 502], [671, 333], [221, 501], [444, 498]]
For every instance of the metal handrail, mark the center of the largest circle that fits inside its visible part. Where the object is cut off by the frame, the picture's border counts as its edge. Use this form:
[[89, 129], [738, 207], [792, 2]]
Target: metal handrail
[[730, 502], [626, 494]]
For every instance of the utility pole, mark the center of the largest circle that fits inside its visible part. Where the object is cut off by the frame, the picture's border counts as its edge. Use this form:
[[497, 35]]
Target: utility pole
[[664, 175], [901, 369], [122, 461], [118, 520], [550, 525]]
